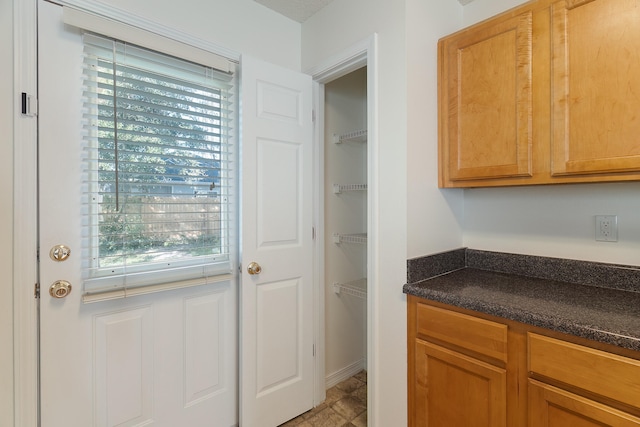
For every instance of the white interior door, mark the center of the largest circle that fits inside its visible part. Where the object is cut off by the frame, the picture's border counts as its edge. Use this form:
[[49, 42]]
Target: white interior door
[[276, 373], [164, 359]]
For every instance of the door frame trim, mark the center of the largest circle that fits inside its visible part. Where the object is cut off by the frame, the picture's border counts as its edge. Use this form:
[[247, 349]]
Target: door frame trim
[[25, 215], [363, 53]]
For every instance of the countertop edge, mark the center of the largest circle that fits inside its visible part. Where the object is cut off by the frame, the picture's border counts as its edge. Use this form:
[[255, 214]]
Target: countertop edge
[[529, 317]]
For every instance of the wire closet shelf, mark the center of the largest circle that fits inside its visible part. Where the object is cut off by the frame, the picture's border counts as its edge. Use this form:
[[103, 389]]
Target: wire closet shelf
[[356, 288]]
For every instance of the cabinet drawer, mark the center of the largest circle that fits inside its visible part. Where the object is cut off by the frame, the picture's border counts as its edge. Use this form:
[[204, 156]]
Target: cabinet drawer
[[468, 332], [609, 375]]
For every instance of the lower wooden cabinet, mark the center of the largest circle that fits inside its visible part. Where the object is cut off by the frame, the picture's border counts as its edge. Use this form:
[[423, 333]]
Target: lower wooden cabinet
[[553, 407], [452, 389], [459, 369], [468, 370]]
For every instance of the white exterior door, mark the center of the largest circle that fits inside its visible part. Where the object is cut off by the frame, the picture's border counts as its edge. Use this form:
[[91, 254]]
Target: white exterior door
[[276, 371], [163, 359]]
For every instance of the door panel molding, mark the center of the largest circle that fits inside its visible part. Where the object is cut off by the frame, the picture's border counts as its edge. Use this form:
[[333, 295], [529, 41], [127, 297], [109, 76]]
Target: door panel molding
[[204, 363], [123, 390], [279, 337], [277, 360], [279, 201]]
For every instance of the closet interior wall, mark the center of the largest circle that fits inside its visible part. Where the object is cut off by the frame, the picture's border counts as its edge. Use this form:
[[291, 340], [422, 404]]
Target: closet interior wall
[[345, 204]]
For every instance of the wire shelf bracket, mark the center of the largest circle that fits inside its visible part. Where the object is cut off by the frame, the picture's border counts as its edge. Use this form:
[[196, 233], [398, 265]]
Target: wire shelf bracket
[[357, 288], [339, 188], [355, 136], [350, 238]]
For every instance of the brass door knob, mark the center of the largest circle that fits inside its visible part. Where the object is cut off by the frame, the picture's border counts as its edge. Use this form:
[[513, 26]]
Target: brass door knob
[[254, 268], [60, 289]]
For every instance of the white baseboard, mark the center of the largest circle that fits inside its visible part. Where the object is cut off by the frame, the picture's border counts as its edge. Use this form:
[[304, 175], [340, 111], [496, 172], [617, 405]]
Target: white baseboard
[[345, 373]]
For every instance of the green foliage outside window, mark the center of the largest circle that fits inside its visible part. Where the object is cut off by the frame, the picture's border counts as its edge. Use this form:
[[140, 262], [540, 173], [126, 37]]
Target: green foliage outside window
[[160, 160]]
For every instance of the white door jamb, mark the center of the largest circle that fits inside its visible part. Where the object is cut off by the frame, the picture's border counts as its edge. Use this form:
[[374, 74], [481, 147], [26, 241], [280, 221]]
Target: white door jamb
[[363, 53]]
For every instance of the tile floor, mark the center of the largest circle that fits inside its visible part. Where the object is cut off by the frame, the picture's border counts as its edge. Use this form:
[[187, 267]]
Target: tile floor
[[345, 406]]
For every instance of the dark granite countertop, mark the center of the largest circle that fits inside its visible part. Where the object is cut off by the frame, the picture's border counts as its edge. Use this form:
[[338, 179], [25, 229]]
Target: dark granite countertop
[[604, 314]]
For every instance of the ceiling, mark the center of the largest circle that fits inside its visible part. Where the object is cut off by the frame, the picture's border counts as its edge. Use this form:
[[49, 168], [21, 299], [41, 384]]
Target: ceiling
[[301, 10], [298, 10]]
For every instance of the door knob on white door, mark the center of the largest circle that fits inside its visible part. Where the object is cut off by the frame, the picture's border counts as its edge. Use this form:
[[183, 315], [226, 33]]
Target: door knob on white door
[[60, 289], [254, 268]]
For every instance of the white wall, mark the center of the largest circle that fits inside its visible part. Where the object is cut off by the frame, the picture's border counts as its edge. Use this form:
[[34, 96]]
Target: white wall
[[479, 10], [6, 213], [240, 25], [434, 216], [414, 217], [557, 221], [335, 28]]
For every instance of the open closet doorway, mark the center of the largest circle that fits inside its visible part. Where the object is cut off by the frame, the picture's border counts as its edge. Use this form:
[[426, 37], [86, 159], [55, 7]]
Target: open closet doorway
[[345, 226], [346, 197]]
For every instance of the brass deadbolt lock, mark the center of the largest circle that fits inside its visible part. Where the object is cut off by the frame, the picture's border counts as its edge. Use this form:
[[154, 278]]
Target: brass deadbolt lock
[[60, 253]]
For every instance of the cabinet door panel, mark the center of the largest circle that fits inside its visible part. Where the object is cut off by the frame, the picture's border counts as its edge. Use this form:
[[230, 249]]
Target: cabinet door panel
[[454, 390], [488, 101], [552, 407], [596, 89]]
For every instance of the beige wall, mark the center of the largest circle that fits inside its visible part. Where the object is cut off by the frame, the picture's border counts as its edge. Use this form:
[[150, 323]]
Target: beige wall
[[6, 212]]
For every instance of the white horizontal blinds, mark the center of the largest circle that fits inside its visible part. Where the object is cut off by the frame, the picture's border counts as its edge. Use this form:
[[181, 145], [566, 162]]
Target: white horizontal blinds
[[159, 168], [149, 38]]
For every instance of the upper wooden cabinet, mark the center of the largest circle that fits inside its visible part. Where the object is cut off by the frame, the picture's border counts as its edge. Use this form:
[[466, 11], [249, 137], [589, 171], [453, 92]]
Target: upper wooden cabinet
[[488, 101], [548, 92], [596, 86]]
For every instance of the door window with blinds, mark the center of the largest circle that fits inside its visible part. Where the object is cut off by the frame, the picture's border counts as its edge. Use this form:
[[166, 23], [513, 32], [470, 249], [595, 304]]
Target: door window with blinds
[[158, 167]]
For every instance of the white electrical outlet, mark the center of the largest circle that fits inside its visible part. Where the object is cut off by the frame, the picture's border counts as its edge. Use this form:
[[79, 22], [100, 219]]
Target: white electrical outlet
[[607, 228]]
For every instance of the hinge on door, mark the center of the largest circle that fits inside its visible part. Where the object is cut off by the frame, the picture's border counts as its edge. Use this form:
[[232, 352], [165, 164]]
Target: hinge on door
[[314, 350], [313, 233], [29, 105], [36, 291], [313, 116]]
